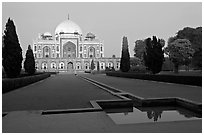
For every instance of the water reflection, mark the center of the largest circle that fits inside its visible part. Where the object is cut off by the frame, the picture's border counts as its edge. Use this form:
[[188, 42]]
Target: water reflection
[[154, 114], [150, 114], [188, 114], [125, 113]]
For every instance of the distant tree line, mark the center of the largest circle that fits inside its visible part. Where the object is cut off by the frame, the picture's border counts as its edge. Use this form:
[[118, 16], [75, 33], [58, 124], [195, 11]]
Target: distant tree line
[[148, 52], [183, 49]]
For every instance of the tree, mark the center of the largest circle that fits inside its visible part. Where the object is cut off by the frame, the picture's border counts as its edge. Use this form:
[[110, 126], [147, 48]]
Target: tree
[[125, 58], [171, 39], [98, 66], [167, 65], [162, 42], [194, 35], [29, 63], [154, 55], [139, 50], [92, 65], [135, 61], [179, 52], [11, 51]]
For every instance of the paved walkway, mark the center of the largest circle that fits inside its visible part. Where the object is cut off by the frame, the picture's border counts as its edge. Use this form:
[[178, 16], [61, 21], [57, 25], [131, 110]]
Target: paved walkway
[[150, 89], [63, 91]]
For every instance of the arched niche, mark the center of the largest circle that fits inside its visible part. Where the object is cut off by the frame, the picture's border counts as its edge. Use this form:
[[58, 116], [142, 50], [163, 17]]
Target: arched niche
[[46, 52], [91, 52]]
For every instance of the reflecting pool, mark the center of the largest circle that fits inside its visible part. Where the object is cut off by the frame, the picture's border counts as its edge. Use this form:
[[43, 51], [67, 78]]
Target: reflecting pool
[[150, 114]]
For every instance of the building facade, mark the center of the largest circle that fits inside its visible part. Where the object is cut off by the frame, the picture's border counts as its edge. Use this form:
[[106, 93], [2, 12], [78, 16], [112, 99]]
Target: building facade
[[68, 50]]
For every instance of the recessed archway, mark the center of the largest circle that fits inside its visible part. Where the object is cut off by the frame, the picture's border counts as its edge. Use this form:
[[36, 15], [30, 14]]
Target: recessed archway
[[70, 66], [91, 52], [69, 50], [46, 52]]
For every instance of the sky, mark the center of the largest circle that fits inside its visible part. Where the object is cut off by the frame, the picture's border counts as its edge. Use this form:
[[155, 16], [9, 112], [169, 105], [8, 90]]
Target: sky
[[108, 21]]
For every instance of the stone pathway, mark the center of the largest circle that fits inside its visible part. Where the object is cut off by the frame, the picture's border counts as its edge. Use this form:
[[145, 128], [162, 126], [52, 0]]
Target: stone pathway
[[150, 89], [63, 91]]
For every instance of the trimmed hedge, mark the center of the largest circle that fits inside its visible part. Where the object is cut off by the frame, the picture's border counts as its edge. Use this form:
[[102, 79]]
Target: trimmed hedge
[[87, 71], [53, 73], [95, 72], [189, 80], [14, 83], [138, 69]]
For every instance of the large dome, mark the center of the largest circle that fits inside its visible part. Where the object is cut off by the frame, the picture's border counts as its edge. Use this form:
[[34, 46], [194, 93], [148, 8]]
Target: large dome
[[68, 27]]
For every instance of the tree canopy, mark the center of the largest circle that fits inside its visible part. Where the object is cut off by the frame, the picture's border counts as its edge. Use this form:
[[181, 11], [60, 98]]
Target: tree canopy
[[194, 35], [180, 52], [11, 51], [154, 55], [29, 63], [139, 49], [125, 56]]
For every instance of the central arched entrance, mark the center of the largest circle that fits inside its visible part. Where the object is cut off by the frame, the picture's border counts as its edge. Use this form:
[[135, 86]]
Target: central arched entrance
[[70, 67], [69, 50]]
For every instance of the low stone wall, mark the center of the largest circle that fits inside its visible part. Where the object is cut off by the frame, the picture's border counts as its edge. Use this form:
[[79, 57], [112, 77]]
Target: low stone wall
[[9, 84], [189, 80]]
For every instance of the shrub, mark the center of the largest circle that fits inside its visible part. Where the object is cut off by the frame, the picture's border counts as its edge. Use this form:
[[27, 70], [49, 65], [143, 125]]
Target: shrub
[[99, 72], [138, 69], [87, 71], [14, 83], [110, 69], [189, 80], [107, 69]]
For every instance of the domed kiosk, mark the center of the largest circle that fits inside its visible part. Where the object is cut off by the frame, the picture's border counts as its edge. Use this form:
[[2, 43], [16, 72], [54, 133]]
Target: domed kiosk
[[68, 51]]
